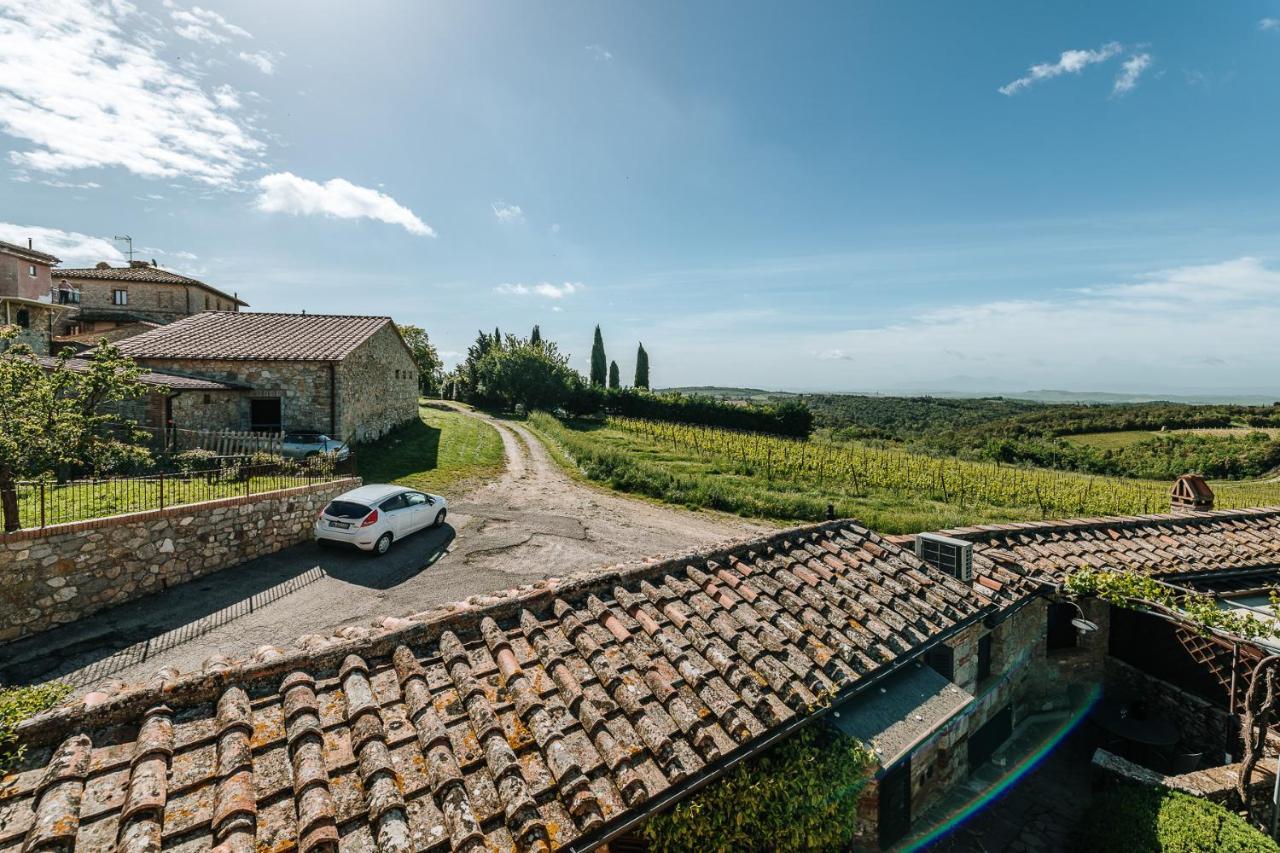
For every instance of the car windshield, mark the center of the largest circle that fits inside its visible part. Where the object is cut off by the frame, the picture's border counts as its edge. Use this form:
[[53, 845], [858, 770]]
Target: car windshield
[[346, 509]]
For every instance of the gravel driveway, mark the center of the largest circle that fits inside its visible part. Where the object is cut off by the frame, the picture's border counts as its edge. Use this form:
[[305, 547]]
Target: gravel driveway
[[533, 521]]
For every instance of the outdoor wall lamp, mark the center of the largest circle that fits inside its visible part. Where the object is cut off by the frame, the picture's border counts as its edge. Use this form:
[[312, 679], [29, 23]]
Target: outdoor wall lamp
[[1081, 624]]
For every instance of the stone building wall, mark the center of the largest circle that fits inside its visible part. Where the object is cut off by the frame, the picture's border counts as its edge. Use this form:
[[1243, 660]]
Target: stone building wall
[[377, 387], [159, 302], [58, 574], [301, 386], [211, 410]]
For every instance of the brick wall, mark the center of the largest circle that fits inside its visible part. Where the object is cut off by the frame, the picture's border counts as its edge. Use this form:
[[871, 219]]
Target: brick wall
[[59, 574]]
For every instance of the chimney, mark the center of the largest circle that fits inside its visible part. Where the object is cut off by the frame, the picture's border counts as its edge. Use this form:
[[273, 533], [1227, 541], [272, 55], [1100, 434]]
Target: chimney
[[102, 265], [1190, 493], [29, 246], [138, 264]]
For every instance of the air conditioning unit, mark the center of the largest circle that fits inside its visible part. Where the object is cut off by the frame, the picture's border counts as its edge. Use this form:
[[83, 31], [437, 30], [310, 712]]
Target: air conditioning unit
[[953, 556]]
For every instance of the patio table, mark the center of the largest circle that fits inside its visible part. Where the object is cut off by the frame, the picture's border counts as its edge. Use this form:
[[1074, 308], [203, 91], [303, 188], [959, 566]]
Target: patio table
[[1118, 719]]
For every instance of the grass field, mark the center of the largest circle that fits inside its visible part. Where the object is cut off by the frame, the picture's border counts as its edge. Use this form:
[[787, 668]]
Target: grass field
[[442, 453], [1117, 440], [899, 493]]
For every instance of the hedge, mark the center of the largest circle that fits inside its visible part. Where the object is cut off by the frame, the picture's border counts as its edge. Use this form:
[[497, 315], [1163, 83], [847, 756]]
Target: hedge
[[800, 795], [1137, 819]]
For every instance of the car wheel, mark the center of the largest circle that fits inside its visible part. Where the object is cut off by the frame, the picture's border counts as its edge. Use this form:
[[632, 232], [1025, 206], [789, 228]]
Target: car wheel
[[383, 545], [440, 516]]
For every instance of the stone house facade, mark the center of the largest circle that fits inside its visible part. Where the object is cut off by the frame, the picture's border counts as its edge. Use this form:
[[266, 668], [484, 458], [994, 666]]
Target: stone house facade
[[350, 377], [117, 299]]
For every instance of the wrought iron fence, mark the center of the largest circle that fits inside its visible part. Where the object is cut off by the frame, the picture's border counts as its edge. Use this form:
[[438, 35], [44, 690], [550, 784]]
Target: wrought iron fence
[[41, 503]]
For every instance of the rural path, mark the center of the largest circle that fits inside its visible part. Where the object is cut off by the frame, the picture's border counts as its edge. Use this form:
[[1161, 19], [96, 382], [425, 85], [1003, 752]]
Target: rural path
[[532, 521]]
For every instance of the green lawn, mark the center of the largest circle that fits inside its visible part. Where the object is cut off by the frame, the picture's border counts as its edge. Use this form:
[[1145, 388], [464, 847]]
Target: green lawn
[[1124, 438], [443, 453]]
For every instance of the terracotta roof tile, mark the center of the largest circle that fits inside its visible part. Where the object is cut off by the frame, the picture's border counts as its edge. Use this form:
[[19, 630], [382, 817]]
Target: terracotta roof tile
[[1161, 545], [24, 252], [529, 720], [255, 336]]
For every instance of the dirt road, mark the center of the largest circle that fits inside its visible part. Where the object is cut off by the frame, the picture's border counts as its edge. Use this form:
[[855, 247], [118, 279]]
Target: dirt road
[[533, 521]]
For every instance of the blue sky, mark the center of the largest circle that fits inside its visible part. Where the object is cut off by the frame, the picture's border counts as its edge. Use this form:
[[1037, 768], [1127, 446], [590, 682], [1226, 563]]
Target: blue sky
[[853, 196]]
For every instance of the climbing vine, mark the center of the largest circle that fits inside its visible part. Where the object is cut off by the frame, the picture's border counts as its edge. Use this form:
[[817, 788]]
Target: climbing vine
[[800, 795], [1199, 610]]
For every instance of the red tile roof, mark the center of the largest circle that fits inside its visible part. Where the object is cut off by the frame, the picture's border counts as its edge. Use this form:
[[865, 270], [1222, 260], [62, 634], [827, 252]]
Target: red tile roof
[[140, 272], [533, 718], [1174, 544], [255, 336], [151, 377]]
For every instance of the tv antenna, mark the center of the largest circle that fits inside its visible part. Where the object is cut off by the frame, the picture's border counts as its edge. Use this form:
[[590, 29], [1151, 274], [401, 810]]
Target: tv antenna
[[127, 239]]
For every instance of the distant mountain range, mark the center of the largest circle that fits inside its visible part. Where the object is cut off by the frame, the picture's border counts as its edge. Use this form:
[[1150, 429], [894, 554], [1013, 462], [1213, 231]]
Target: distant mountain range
[[1041, 396]]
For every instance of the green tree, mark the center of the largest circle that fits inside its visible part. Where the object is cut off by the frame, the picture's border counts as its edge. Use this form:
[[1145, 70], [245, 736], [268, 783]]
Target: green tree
[[521, 373], [425, 356], [497, 337], [599, 364], [642, 368], [535, 337], [55, 419], [614, 380]]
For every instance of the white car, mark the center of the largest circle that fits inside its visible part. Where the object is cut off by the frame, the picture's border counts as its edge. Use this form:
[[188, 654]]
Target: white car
[[372, 517]]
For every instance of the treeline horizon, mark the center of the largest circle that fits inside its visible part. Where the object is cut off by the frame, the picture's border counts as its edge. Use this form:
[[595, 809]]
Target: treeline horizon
[[508, 372]]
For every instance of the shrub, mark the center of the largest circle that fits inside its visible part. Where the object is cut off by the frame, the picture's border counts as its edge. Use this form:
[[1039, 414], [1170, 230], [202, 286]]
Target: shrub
[[16, 705], [800, 795], [1137, 819], [195, 460]]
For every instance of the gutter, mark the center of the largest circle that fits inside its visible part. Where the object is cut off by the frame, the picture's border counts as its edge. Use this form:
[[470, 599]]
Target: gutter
[[333, 400], [725, 763]]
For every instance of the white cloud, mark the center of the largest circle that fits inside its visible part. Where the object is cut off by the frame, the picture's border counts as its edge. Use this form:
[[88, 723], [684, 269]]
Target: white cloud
[[599, 53], [226, 97], [285, 192], [543, 288], [555, 227], [75, 249], [1070, 62], [1130, 71], [1161, 329], [508, 213], [263, 60], [87, 88], [1269, 24], [203, 25]]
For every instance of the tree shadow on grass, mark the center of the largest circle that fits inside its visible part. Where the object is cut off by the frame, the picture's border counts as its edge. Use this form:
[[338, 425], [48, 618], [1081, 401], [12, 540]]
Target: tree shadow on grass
[[406, 450]]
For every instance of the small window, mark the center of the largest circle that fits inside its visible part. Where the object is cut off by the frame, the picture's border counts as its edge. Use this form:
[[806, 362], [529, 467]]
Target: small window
[[119, 297], [31, 270], [984, 658], [208, 398], [24, 318], [206, 303]]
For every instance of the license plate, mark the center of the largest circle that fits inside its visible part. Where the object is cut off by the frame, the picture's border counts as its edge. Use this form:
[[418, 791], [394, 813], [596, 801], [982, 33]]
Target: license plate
[[340, 524]]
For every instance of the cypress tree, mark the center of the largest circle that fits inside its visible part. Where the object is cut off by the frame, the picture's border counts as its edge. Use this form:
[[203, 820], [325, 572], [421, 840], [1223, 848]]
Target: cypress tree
[[535, 337], [599, 364], [642, 368], [497, 338], [614, 381]]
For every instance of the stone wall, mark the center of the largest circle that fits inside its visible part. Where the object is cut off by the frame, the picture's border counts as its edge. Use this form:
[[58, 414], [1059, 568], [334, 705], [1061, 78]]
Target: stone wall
[[210, 410], [156, 301], [1200, 723], [58, 574], [301, 386], [377, 387]]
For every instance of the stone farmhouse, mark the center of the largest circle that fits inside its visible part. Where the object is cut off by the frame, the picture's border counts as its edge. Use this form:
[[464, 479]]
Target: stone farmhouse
[[119, 302], [563, 714], [350, 377], [28, 299]]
